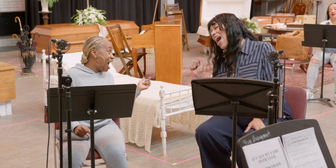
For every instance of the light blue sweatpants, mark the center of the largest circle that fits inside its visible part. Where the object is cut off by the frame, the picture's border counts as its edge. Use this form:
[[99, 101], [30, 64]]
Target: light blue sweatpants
[[313, 69], [109, 142]]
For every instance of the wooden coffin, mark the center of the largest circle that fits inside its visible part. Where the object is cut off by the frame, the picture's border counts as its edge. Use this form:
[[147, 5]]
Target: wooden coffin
[[75, 34]]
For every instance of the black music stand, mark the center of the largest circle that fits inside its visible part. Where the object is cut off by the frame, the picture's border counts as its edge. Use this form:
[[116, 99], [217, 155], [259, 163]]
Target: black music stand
[[320, 36], [236, 97], [94, 102]]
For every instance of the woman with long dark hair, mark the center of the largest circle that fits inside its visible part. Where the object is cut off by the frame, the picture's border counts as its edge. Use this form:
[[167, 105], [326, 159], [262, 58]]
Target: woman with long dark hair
[[237, 54]]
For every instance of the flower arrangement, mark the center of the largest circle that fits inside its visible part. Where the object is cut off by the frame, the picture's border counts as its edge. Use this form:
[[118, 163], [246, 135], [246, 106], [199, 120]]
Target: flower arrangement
[[50, 2], [252, 26], [89, 16]]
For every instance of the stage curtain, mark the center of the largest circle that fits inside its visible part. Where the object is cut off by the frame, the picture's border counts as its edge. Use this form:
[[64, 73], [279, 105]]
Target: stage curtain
[[139, 11], [191, 10]]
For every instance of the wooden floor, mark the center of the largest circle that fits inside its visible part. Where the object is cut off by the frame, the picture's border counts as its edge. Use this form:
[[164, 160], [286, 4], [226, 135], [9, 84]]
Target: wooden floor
[[24, 135]]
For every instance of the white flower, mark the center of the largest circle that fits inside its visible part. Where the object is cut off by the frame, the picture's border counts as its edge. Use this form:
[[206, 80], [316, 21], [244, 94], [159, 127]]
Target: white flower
[[100, 16], [89, 15], [94, 20]]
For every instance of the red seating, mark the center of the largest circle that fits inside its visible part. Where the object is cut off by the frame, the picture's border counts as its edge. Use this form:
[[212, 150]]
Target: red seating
[[296, 99]]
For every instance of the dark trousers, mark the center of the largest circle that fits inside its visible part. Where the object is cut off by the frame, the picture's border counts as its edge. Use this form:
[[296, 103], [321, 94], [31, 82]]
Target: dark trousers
[[214, 138]]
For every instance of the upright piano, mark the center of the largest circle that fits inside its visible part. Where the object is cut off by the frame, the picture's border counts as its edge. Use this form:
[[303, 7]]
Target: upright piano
[[165, 36]]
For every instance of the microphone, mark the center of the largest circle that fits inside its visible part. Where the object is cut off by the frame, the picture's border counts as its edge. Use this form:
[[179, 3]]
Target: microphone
[[274, 55], [61, 44], [280, 51]]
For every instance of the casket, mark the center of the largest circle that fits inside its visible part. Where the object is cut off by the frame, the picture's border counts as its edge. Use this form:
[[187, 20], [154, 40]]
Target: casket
[[76, 34]]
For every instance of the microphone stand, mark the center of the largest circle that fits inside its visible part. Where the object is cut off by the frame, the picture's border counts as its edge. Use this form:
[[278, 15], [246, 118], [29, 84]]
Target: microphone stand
[[274, 95], [63, 81]]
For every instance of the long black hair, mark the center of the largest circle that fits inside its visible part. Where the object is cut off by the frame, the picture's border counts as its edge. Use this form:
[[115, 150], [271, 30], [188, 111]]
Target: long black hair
[[235, 32], [328, 17]]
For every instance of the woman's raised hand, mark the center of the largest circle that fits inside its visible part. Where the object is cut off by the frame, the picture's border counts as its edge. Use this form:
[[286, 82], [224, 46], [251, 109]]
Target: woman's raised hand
[[197, 68], [143, 84]]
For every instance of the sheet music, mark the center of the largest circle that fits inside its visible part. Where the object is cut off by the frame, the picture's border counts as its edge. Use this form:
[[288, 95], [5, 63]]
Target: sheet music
[[303, 149], [266, 154]]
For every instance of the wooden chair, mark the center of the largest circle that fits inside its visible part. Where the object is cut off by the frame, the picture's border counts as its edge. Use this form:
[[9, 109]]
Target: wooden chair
[[299, 8], [174, 9], [281, 17], [171, 8], [123, 51], [303, 65]]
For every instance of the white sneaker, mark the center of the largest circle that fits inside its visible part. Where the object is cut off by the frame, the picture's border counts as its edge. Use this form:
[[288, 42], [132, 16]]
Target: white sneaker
[[310, 94]]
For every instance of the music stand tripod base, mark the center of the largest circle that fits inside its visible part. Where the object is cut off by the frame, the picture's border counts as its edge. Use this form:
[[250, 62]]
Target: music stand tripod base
[[323, 100]]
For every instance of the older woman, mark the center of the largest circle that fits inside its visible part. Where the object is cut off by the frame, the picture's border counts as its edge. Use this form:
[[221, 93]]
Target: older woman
[[109, 140]]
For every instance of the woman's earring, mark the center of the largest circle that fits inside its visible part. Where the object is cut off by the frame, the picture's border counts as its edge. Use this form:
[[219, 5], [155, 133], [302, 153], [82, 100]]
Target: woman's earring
[[100, 64]]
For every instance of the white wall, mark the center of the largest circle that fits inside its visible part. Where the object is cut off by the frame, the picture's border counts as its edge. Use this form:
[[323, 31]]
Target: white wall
[[12, 5]]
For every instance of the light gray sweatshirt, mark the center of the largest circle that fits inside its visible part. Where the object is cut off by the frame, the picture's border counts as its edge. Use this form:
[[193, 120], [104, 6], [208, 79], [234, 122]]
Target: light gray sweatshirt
[[83, 76]]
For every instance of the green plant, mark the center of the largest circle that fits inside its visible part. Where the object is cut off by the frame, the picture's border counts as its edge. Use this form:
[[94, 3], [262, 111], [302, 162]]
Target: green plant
[[50, 2], [89, 16], [252, 26]]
